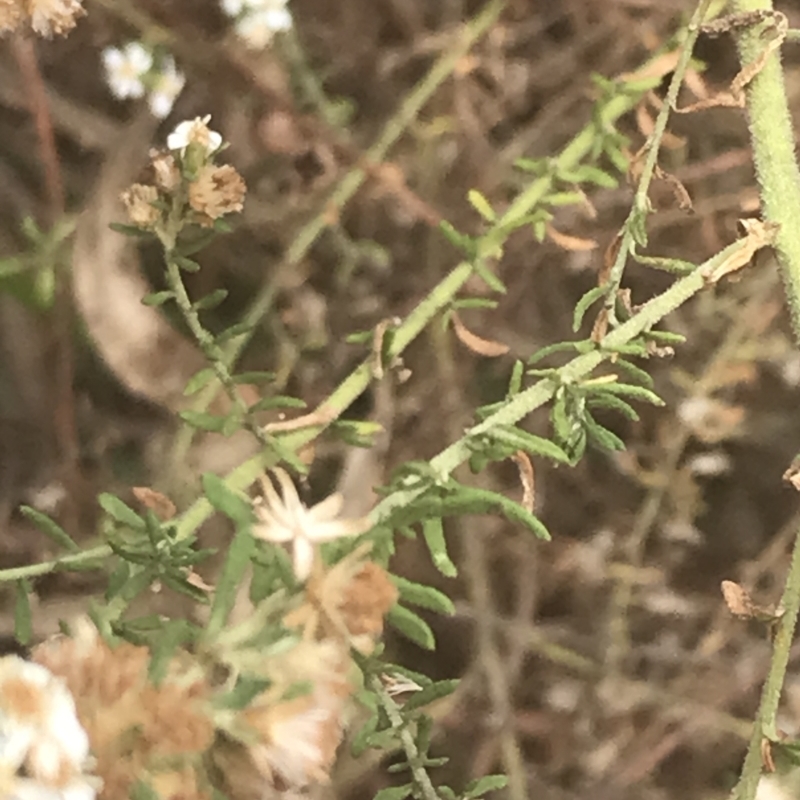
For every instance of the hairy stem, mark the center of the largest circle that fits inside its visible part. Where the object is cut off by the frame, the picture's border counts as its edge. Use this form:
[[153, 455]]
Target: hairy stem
[[641, 203], [771, 693], [773, 151]]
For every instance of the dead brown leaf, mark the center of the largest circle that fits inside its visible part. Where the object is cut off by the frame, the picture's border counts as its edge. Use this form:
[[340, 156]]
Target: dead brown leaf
[[572, 243], [158, 503], [479, 345], [527, 479], [758, 234], [738, 600]]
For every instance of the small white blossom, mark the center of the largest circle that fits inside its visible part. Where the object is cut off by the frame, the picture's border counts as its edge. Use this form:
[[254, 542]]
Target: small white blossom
[[125, 69], [286, 519], [169, 84], [43, 747], [257, 29], [195, 131]]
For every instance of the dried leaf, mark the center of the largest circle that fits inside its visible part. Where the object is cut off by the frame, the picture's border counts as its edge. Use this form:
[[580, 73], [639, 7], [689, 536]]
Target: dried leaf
[[572, 243], [609, 257], [766, 755], [738, 600], [758, 234], [158, 503], [792, 475], [483, 347], [600, 327], [678, 189], [735, 97], [527, 479]]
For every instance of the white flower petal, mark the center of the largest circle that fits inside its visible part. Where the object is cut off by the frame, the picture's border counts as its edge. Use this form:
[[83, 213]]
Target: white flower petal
[[328, 509], [302, 558]]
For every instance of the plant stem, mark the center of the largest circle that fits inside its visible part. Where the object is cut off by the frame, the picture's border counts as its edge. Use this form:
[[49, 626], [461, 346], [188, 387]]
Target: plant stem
[[420, 775], [773, 151], [771, 693], [521, 405], [344, 192], [641, 202]]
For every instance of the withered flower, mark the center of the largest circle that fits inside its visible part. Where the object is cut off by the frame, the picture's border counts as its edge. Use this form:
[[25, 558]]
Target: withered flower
[[138, 200], [217, 191]]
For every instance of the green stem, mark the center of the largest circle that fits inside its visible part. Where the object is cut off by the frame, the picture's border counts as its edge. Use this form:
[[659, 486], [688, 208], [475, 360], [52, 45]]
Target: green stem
[[521, 405], [422, 781], [641, 202], [771, 693], [344, 192], [774, 152]]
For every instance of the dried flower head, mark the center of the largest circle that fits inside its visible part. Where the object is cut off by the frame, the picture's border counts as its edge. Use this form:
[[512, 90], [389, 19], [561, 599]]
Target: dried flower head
[[54, 16], [291, 743], [12, 14], [43, 747], [166, 175], [349, 601], [133, 726], [286, 519], [138, 200], [217, 191]]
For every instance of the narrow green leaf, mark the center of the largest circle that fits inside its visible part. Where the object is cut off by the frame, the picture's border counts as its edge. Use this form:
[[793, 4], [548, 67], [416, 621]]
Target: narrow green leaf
[[412, 627], [129, 230], [628, 390], [171, 635], [198, 381], [203, 421], [601, 437], [256, 378], [157, 298], [512, 511], [117, 579], [481, 786], [488, 277], [585, 303], [430, 694], [277, 401], [395, 792], [559, 199], [236, 561], [418, 594], [50, 528], [515, 382], [211, 300], [474, 302], [481, 205], [614, 403], [185, 263], [235, 330], [585, 346], [665, 337], [460, 240], [635, 373], [23, 626], [433, 533], [226, 501], [120, 511], [529, 442]]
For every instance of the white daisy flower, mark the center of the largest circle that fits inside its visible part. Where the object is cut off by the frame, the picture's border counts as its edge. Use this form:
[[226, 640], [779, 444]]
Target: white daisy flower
[[169, 84], [195, 131], [286, 519], [258, 28], [125, 68]]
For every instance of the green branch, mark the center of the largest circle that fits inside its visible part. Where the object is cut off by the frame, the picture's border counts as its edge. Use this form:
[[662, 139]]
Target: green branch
[[774, 152]]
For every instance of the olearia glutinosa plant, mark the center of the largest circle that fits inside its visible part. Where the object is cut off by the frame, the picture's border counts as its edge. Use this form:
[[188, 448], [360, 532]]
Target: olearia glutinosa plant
[[253, 700]]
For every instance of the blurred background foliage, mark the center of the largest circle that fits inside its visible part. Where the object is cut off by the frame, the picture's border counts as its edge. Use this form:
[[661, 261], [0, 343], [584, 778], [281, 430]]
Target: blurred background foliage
[[602, 664]]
